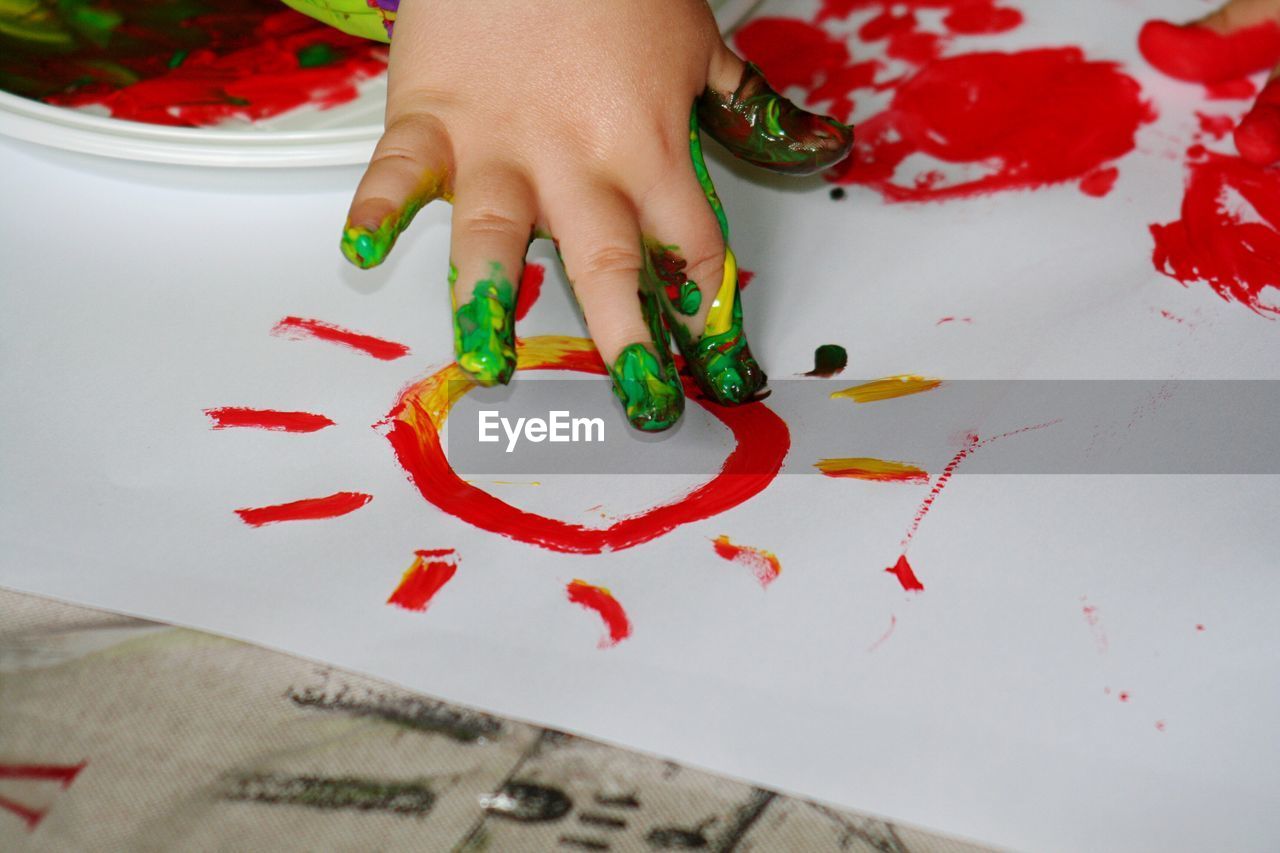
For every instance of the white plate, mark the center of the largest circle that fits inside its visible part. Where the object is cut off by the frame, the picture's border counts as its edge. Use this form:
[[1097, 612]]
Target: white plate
[[341, 135]]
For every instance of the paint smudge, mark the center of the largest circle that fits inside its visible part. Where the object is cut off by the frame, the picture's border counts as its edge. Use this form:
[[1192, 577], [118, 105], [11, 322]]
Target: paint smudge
[[1229, 233], [763, 564], [906, 575], [530, 288], [1160, 725], [331, 793], [887, 388], [1014, 118], [297, 328], [193, 64], [876, 470], [1258, 135], [1214, 125], [64, 774], [1092, 619], [417, 420], [893, 624], [1233, 90], [235, 417], [1124, 696], [430, 571], [745, 278], [828, 360], [1199, 627], [1099, 182], [307, 509], [601, 600]]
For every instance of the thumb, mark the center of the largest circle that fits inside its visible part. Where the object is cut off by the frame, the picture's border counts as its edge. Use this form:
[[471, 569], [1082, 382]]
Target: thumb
[[743, 113]]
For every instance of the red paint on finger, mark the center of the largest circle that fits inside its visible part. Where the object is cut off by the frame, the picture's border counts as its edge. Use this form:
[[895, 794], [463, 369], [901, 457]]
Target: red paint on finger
[[763, 564], [1258, 136], [530, 288], [1014, 118], [601, 600], [430, 571], [1198, 54], [297, 328], [906, 575], [307, 509], [1229, 233], [234, 416]]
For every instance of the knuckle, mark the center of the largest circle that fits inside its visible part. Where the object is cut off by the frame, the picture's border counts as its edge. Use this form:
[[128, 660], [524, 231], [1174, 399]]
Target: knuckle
[[608, 261], [706, 265], [494, 222]]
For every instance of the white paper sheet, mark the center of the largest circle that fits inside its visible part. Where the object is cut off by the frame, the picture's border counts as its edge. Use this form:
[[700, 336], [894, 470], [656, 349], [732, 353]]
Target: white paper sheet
[[1050, 689]]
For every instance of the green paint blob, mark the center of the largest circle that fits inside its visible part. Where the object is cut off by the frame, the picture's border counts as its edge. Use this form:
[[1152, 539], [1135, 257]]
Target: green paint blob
[[828, 360], [760, 126], [650, 394], [366, 248], [484, 328], [316, 55], [668, 267]]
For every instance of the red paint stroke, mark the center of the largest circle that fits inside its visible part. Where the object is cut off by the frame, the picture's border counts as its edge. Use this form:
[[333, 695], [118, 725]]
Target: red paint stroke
[[430, 571], [1021, 120], [763, 564], [1232, 90], [744, 279], [1099, 182], [600, 600], [893, 623], [1229, 233], [63, 773], [762, 443], [1091, 617], [530, 288], [954, 320], [1258, 136], [906, 575], [1215, 126], [971, 445], [308, 509], [1197, 54], [297, 328], [235, 416]]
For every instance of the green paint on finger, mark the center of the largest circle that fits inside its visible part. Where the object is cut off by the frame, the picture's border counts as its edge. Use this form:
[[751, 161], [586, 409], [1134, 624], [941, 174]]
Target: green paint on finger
[[484, 328], [704, 177], [649, 391], [668, 267], [367, 248], [762, 127]]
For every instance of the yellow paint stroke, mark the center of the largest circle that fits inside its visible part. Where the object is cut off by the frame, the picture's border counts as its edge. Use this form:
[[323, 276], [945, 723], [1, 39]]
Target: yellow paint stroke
[[878, 470], [888, 388]]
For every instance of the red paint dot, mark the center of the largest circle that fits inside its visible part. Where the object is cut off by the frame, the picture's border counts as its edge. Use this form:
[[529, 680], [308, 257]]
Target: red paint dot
[[1124, 695], [1199, 627]]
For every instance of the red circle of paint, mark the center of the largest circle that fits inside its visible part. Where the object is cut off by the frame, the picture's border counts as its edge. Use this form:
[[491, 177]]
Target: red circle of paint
[[763, 441]]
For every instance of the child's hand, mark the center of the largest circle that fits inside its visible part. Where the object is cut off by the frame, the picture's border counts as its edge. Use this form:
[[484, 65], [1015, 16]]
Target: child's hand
[[572, 118], [1240, 38]]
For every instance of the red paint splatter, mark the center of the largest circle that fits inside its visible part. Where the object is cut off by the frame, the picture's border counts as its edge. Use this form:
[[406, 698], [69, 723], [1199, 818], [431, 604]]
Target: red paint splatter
[[1091, 617], [1199, 627], [234, 416], [893, 623], [1099, 182], [1232, 90], [1258, 136], [1124, 695], [297, 328], [1229, 233], [430, 571], [794, 53], [762, 444], [1017, 117], [906, 575], [530, 288], [1198, 54], [600, 600], [1159, 725], [763, 564], [63, 773], [308, 509], [1215, 126], [744, 279]]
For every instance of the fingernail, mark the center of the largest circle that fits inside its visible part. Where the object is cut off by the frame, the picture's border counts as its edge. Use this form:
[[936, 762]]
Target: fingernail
[[367, 245], [484, 329], [650, 394], [683, 294], [721, 360]]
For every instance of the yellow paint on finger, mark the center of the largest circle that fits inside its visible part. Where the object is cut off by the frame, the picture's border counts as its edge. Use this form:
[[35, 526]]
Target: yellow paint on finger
[[720, 317], [888, 388]]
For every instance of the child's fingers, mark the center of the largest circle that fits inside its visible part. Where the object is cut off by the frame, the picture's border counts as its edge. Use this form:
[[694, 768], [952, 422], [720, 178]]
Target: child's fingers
[[1239, 38], [695, 281], [1258, 134], [599, 241], [745, 115], [409, 168], [493, 218]]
